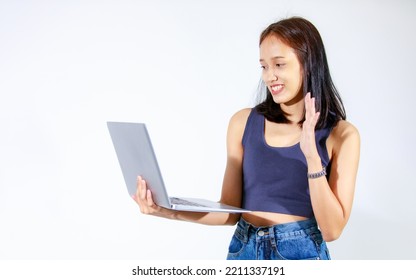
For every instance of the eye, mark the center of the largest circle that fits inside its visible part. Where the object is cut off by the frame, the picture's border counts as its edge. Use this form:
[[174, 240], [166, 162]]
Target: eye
[[263, 67], [280, 65]]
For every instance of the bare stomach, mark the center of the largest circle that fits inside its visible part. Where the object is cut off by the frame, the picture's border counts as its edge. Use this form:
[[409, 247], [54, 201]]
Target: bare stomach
[[269, 218]]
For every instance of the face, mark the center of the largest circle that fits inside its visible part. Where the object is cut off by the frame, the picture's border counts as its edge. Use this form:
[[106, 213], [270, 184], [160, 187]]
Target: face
[[281, 71]]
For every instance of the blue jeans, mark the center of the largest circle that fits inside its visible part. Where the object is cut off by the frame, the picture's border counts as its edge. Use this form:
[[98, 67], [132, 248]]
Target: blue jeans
[[290, 241]]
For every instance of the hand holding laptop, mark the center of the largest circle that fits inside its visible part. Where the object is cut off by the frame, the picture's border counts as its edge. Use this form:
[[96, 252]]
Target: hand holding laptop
[[144, 199], [136, 157]]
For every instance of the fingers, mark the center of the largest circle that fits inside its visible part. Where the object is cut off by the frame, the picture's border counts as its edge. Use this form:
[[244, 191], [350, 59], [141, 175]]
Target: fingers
[[311, 116], [143, 197], [309, 105], [149, 199], [307, 141], [141, 188]]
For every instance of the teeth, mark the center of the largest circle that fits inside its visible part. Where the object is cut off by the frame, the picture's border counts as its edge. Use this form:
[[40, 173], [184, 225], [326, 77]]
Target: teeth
[[278, 87]]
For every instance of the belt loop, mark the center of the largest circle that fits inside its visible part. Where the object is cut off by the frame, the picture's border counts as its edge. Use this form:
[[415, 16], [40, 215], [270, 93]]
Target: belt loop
[[246, 230], [271, 237]]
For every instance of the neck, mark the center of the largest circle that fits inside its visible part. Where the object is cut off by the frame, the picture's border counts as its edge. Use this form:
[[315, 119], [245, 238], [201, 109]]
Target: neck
[[294, 110]]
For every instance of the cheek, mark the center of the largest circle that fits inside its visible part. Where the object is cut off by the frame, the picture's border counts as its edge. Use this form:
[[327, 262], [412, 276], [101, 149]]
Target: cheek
[[295, 84], [298, 81], [264, 77], [296, 78]]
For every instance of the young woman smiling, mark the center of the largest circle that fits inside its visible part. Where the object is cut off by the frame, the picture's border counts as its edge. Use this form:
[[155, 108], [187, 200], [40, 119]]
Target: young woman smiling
[[292, 159]]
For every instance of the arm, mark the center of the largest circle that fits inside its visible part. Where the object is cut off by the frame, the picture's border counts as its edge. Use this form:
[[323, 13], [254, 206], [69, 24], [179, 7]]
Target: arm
[[331, 199], [231, 190]]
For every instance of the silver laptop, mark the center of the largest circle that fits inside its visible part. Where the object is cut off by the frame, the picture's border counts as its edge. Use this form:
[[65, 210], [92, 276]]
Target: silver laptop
[[136, 157]]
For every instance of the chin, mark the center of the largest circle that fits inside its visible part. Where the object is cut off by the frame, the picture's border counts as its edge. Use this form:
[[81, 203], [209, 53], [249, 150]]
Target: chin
[[278, 99]]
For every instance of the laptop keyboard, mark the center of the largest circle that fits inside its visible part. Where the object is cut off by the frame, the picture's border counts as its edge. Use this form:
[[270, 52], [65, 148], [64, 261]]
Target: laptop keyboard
[[179, 201]]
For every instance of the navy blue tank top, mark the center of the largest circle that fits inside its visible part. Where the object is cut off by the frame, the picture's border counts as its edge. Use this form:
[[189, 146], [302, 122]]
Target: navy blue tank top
[[275, 178]]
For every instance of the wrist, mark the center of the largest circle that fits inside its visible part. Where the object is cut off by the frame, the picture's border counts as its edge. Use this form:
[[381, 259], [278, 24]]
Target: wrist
[[172, 214], [314, 164], [317, 174]]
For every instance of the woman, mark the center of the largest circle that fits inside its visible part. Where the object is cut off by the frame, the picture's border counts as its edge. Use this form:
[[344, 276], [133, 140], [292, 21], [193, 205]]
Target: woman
[[292, 159]]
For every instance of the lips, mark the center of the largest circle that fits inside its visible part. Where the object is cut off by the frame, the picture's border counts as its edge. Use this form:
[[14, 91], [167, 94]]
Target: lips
[[276, 88]]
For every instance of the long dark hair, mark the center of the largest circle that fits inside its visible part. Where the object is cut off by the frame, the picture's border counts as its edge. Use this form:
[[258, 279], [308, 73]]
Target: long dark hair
[[302, 36]]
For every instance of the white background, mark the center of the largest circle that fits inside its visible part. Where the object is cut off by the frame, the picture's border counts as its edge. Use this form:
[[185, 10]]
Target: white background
[[183, 67]]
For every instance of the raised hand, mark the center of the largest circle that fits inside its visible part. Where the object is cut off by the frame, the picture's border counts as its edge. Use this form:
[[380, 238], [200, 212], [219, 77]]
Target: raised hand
[[307, 139]]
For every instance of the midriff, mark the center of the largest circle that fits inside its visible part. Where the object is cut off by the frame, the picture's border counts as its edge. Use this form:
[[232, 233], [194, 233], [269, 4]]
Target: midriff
[[270, 218]]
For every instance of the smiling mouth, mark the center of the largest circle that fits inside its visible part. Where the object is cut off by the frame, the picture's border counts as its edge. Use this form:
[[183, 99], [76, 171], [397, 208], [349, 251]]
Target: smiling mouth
[[275, 89]]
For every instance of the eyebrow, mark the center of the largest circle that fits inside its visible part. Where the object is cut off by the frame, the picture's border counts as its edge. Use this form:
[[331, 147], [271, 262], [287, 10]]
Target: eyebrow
[[275, 57]]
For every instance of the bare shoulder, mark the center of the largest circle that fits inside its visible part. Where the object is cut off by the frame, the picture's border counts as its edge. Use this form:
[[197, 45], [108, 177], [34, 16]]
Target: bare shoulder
[[237, 126], [345, 129], [345, 132], [241, 115], [239, 119]]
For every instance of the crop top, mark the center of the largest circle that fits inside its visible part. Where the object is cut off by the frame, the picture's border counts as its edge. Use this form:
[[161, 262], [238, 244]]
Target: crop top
[[275, 178]]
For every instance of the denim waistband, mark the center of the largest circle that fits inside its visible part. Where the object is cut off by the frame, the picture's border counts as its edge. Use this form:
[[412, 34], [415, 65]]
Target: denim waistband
[[279, 231]]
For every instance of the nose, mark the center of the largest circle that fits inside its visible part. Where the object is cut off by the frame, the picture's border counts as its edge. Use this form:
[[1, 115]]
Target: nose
[[270, 76]]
